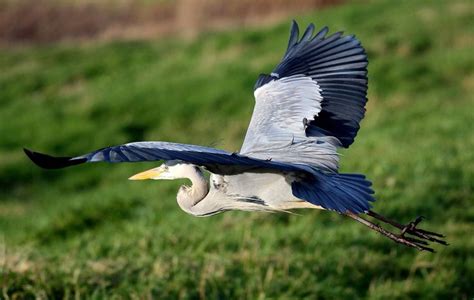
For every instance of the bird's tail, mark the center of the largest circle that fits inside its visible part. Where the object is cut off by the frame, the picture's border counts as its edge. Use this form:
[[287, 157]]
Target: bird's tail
[[339, 192]]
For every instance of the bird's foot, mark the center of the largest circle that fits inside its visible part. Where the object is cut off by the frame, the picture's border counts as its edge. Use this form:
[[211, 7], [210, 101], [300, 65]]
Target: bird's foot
[[419, 244], [410, 235], [411, 228]]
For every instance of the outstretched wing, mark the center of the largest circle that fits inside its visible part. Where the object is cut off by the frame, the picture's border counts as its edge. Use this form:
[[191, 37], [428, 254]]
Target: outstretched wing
[[215, 160], [312, 186], [315, 96]]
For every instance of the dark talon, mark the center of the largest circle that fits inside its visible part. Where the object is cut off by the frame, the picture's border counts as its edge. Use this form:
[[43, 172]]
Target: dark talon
[[416, 240], [411, 227], [428, 249], [431, 233], [418, 220]]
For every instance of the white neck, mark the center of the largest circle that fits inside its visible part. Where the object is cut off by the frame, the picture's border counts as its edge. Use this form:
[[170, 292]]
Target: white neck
[[188, 197]]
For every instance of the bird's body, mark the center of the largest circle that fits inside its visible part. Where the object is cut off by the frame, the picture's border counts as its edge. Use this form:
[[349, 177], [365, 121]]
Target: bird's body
[[239, 192], [308, 107], [277, 197]]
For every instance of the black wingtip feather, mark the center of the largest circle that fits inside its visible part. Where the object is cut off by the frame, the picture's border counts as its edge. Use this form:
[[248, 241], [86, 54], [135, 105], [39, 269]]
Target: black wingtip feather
[[308, 34], [294, 35], [321, 34], [50, 162]]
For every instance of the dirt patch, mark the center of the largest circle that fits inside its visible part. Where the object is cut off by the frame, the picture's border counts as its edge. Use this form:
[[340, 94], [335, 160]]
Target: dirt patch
[[46, 21], [42, 21]]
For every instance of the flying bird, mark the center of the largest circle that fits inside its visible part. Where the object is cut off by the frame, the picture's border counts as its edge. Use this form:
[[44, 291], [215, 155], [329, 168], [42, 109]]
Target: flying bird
[[307, 108]]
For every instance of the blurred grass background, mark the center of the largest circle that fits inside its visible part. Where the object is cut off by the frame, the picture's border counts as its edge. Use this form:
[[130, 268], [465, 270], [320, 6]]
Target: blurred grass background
[[88, 232]]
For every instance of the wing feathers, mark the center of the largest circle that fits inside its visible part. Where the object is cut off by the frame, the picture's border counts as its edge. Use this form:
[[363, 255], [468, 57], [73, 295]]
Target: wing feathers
[[338, 64], [338, 192], [308, 33], [293, 35], [216, 160]]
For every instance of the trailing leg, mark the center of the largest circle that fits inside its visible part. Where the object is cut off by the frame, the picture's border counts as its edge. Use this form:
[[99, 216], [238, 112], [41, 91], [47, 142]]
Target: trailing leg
[[411, 228], [419, 243]]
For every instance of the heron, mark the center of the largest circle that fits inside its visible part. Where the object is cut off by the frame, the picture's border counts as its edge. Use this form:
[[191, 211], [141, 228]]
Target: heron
[[307, 108]]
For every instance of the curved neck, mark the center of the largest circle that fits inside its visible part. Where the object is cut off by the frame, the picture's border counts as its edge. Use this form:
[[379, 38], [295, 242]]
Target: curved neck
[[188, 197]]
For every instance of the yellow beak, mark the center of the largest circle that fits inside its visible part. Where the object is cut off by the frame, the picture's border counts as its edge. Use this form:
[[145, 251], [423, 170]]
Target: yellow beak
[[150, 174]]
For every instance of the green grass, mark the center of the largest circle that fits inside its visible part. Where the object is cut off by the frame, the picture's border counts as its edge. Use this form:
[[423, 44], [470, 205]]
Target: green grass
[[88, 232]]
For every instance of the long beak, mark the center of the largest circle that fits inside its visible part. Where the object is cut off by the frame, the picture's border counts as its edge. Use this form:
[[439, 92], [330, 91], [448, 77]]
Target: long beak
[[149, 174]]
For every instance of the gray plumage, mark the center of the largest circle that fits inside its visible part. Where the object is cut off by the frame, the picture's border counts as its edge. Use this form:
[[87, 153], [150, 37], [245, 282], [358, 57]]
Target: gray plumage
[[277, 127]]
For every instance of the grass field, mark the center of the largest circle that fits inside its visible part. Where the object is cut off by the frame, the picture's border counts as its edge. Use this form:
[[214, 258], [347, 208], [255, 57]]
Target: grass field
[[88, 232]]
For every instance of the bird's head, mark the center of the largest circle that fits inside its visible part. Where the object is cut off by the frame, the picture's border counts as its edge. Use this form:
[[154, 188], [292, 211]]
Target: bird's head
[[172, 169]]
